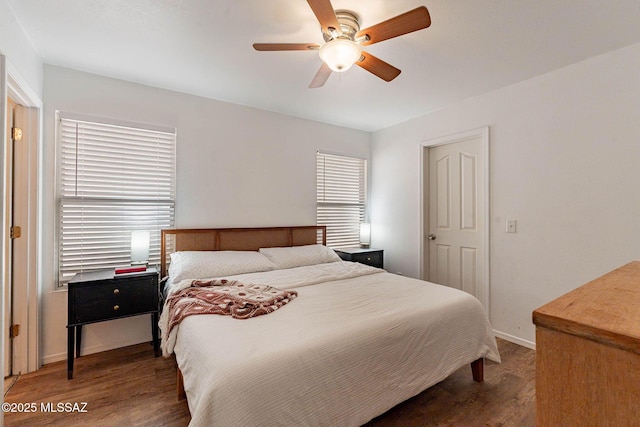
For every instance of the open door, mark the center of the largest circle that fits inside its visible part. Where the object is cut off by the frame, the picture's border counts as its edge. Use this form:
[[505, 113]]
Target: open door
[[20, 308], [8, 291]]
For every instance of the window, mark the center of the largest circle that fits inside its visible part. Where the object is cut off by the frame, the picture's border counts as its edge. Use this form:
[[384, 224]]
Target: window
[[341, 198], [113, 178]]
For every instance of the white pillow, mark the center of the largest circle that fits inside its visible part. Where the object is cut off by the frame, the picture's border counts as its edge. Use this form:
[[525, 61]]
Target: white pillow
[[298, 256], [212, 264]]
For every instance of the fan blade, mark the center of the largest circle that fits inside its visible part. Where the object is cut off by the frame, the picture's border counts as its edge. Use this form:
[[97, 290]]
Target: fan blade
[[408, 22], [267, 47], [385, 71], [326, 15], [321, 76]]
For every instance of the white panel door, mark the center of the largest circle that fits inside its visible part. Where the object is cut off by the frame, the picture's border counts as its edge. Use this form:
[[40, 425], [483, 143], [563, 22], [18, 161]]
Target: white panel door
[[456, 221]]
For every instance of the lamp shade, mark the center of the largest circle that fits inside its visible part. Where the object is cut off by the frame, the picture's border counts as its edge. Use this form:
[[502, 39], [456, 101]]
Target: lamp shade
[[340, 54], [140, 247], [365, 234]]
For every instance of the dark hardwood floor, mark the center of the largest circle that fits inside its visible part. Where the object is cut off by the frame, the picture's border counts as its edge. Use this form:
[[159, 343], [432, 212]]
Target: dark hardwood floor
[[505, 398], [129, 387]]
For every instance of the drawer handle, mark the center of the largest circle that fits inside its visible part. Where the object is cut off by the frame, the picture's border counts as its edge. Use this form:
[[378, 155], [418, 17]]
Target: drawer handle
[[116, 307], [369, 259], [116, 291]]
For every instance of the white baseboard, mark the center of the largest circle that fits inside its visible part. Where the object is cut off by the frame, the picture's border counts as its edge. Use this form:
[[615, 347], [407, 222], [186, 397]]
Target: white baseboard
[[90, 350], [54, 358], [515, 340], [98, 348]]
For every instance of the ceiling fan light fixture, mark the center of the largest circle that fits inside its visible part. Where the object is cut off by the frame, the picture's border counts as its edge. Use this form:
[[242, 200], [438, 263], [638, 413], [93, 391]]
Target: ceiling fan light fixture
[[340, 54]]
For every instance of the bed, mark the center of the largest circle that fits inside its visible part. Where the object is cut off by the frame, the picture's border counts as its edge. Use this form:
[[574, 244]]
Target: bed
[[351, 341]]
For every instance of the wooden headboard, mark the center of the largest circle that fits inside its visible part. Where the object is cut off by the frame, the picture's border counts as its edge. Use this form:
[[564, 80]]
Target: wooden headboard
[[236, 239]]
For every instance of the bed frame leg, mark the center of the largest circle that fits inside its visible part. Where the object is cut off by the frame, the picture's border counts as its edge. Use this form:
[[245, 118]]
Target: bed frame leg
[[180, 385], [477, 370]]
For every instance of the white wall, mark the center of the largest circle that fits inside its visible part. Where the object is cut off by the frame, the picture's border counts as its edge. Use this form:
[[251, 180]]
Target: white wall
[[564, 162], [236, 166], [22, 57]]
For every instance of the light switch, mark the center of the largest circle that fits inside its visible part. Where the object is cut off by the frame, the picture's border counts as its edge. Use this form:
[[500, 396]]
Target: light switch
[[511, 226]]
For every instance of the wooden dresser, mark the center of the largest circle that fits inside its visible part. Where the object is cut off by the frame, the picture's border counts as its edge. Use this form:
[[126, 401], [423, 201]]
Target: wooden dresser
[[588, 353]]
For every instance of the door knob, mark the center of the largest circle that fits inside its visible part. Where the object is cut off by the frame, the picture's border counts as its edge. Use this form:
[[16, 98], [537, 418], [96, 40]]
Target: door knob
[[431, 236]]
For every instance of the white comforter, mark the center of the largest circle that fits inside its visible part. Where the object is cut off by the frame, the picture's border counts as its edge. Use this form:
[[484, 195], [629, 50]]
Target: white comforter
[[356, 342]]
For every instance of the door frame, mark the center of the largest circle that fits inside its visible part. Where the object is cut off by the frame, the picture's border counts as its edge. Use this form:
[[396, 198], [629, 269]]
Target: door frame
[[27, 306], [483, 134]]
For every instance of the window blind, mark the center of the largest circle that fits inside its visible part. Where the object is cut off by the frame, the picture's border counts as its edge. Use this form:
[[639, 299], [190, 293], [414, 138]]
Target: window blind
[[112, 179], [341, 197]]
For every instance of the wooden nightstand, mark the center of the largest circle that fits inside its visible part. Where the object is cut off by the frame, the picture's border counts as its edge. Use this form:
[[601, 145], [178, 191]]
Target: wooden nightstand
[[372, 257], [103, 295]]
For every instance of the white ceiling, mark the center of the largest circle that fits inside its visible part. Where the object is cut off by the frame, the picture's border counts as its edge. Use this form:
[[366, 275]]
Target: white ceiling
[[203, 47]]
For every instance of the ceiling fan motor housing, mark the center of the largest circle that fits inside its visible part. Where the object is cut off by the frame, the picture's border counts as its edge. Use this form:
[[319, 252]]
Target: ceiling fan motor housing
[[349, 24]]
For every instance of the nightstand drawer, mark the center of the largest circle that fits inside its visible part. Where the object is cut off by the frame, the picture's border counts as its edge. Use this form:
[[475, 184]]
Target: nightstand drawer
[[372, 257], [112, 300], [369, 258]]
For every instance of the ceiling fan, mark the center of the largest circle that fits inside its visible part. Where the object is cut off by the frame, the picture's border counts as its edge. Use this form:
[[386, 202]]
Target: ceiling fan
[[344, 38]]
